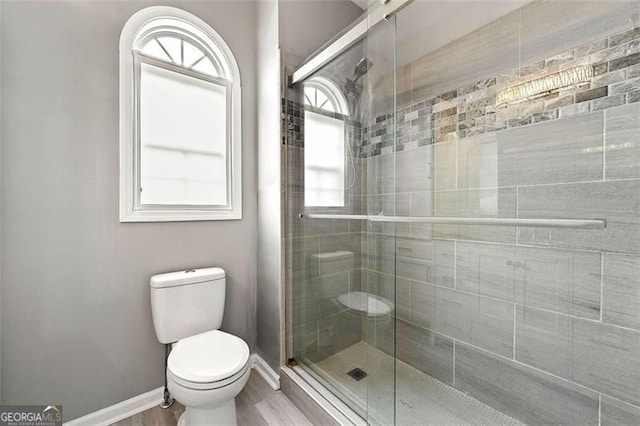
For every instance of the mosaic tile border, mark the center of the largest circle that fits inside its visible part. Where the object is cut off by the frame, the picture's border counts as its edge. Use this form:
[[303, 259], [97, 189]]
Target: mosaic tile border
[[471, 109]]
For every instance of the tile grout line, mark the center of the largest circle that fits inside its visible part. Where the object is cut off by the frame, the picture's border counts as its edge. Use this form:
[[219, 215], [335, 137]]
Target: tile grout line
[[519, 41], [514, 331], [454, 363], [455, 158], [601, 285], [617, 399], [599, 409], [517, 214], [604, 145], [455, 265]]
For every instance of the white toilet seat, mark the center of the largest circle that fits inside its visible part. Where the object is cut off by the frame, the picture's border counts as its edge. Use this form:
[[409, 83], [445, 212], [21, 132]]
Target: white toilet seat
[[208, 385], [208, 360]]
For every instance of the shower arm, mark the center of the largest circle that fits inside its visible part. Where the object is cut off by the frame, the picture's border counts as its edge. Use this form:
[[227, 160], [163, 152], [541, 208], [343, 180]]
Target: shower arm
[[526, 223]]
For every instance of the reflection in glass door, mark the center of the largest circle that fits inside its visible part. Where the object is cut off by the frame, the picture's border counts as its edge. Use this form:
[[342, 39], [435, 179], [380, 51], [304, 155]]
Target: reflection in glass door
[[342, 289]]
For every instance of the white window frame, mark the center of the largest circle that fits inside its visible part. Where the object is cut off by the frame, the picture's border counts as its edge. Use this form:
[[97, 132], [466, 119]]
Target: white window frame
[[138, 29]]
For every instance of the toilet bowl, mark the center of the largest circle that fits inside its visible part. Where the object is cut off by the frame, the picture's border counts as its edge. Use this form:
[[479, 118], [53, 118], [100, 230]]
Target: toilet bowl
[[205, 373], [206, 368]]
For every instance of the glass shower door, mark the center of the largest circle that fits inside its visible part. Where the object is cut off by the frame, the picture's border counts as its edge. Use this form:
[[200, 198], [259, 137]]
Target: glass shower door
[[378, 153], [518, 162], [469, 246], [341, 267]]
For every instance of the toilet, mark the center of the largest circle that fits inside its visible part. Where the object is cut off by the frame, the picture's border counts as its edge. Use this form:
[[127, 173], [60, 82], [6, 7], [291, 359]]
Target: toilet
[[207, 368]]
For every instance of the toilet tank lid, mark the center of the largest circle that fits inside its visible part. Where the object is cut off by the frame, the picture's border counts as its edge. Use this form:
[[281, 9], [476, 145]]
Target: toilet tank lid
[[190, 276]]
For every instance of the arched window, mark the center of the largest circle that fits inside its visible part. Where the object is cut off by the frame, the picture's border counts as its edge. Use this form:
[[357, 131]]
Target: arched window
[[324, 143], [180, 141]]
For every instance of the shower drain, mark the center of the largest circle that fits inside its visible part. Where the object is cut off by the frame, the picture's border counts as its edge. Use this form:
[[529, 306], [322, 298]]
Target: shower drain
[[357, 374]]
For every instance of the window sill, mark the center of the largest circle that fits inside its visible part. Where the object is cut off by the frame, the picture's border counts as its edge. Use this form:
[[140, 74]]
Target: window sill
[[178, 215]]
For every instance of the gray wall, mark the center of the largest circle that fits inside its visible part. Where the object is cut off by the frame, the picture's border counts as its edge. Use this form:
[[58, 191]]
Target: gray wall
[[305, 25], [76, 316]]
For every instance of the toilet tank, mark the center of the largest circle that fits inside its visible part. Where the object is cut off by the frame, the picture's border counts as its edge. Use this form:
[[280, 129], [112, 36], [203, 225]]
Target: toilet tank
[[333, 262], [186, 303]]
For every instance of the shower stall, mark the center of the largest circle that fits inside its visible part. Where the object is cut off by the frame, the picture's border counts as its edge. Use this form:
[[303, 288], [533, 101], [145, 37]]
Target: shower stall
[[462, 214]]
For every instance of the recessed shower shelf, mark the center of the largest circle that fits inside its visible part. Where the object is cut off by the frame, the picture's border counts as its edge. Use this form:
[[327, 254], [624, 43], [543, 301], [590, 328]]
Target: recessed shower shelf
[[528, 223]]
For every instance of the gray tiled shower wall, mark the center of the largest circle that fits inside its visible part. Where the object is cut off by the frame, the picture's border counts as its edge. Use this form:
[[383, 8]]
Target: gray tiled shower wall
[[542, 324]]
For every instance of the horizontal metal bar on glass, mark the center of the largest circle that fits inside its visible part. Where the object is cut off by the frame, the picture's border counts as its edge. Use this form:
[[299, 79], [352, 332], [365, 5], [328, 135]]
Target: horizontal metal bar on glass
[[528, 223]]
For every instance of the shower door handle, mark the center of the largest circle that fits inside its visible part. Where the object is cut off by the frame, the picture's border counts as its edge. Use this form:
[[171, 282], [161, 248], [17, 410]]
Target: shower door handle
[[487, 221]]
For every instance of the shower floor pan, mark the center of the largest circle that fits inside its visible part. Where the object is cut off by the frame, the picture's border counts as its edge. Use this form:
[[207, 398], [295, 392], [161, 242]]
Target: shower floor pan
[[421, 399]]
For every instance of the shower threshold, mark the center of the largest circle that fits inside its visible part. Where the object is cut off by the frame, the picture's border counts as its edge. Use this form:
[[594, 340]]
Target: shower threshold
[[420, 399]]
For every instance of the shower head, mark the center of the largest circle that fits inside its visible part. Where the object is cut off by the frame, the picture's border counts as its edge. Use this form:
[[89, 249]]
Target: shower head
[[363, 66], [352, 90]]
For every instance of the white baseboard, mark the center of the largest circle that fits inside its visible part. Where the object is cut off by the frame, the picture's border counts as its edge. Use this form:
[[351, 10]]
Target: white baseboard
[[121, 410], [265, 370], [140, 403]]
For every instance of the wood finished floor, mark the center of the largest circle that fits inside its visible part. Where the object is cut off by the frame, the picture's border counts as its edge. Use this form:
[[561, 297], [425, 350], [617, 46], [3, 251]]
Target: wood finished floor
[[256, 405]]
